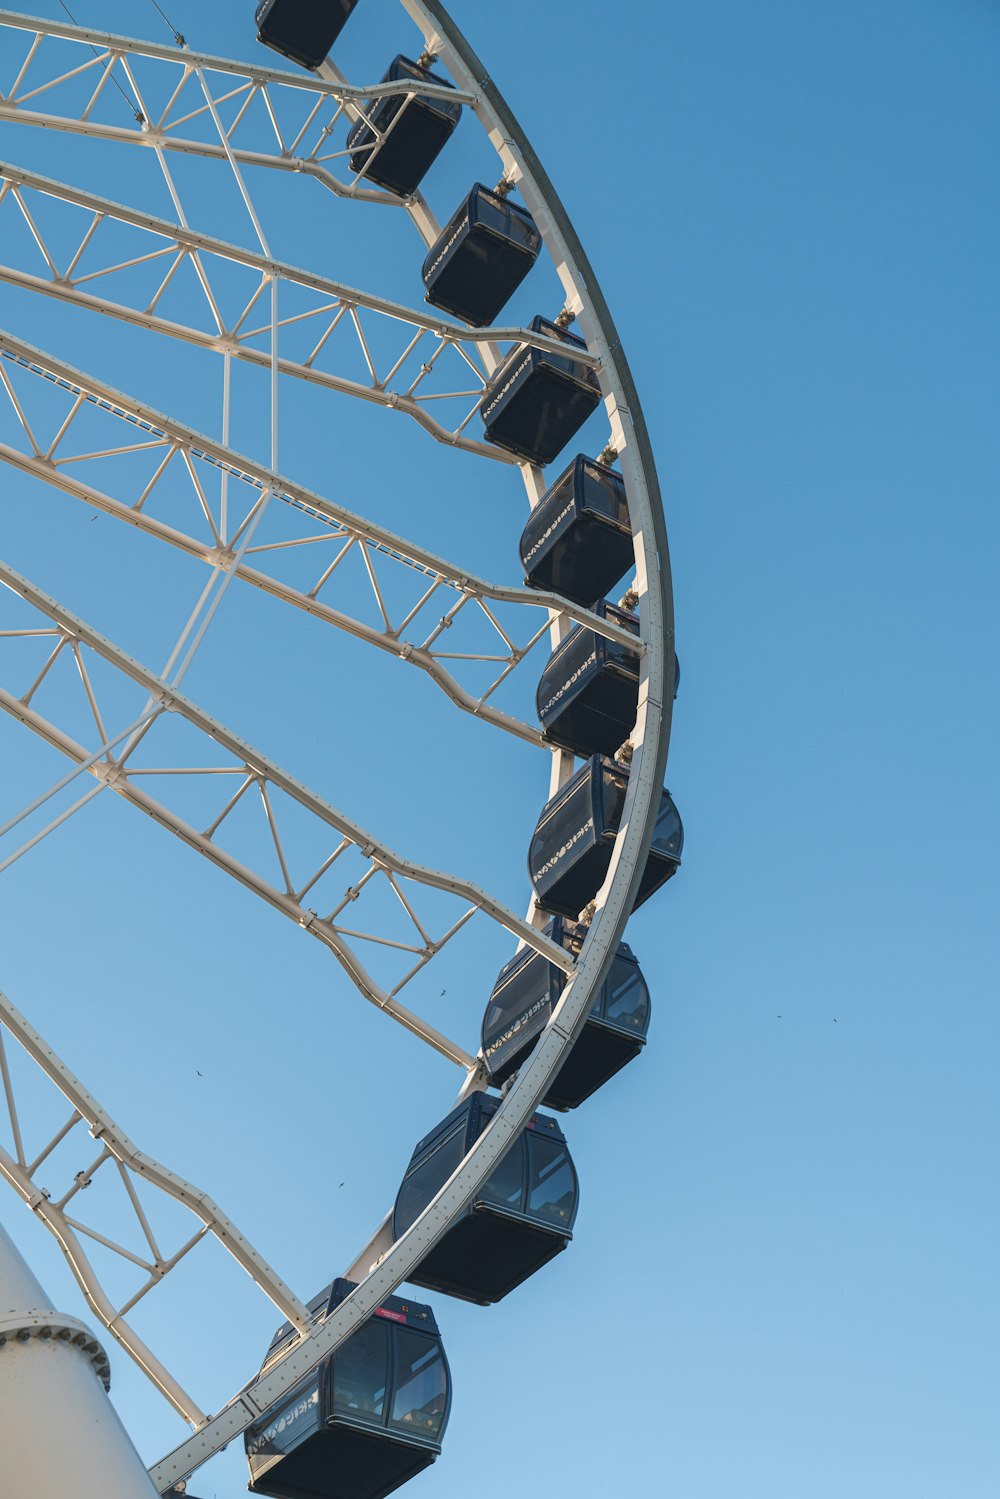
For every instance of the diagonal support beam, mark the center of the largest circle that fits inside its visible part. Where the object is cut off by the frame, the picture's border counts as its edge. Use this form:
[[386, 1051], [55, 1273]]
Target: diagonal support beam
[[190, 443], [469, 343], [133, 1161], [109, 53], [372, 848], [192, 239]]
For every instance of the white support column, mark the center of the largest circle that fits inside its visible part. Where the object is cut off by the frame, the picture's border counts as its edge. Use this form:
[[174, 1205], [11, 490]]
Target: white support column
[[60, 1436]]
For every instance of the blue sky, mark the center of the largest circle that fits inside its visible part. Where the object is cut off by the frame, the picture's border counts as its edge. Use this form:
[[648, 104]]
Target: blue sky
[[782, 1283]]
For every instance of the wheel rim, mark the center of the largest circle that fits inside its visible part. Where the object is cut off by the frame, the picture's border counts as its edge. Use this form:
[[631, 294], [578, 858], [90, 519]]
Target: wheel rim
[[629, 436]]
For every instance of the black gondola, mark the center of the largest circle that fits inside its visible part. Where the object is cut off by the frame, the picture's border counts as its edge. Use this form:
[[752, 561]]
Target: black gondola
[[367, 1419], [303, 30], [578, 541], [538, 400], [481, 257], [573, 842], [588, 696], [423, 128], [522, 1215], [524, 996]]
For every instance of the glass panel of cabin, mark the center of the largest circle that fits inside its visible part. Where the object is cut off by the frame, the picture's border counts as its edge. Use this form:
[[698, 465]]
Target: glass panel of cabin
[[668, 837], [425, 1180], [492, 213], [505, 1187], [507, 1005], [627, 1002], [604, 492], [360, 1370], [526, 988], [421, 1388], [552, 1181], [624, 656]]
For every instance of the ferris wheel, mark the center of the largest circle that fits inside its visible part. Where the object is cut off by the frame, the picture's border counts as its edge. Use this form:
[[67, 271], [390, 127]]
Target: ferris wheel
[[506, 362]]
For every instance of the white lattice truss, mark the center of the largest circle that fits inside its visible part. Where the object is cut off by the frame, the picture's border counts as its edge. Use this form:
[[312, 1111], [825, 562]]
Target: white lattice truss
[[240, 770], [414, 349], [294, 324], [410, 360], [59, 1203], [205, 519], [283, 120]]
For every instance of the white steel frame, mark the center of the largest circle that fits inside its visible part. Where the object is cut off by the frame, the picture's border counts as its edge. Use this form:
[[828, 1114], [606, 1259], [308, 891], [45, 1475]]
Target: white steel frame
[[336, 307], [43, 456], [252, 771], [381, 1265], [116, 1152]]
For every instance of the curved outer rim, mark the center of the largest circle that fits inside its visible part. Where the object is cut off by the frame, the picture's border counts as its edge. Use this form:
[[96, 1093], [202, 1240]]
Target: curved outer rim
[[650, 739]]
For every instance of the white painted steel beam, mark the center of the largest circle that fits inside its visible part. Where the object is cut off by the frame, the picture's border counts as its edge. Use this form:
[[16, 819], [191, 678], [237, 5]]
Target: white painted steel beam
[[190, 239], [650, 738], [47, 466], [103, 51], [304, 81], [202, 446], [121, 779], [234, 342], [116, 1146]]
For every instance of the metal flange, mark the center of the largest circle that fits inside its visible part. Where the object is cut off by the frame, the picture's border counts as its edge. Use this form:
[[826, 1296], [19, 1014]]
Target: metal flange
[[22, 1327]]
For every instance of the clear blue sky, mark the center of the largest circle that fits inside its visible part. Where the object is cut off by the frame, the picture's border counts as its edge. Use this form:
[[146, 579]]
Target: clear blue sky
[[783, 1281]]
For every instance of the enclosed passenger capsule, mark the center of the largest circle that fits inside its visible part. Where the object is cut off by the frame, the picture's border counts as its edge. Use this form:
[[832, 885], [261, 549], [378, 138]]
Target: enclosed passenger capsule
[[367, 1419], [481, 257], [537, 400], [524, 996], [421, 127], [578, 541], [571, 850], [588, 696], [522, 1215], [303, 30]]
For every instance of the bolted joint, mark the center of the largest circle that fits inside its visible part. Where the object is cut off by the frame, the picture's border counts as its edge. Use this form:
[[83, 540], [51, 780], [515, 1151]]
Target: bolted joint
[[628, 600], [608, 454], [566, 318], [504, 187], [625, 753], [45, 1325], [427, 58]]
